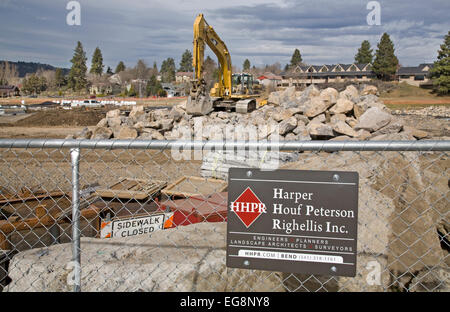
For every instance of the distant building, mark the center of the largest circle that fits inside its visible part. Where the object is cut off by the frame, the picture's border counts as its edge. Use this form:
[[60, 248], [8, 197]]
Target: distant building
[[269, 79], [415, 76], [101, 88], [182, 77], [7, 91], [318, 74]]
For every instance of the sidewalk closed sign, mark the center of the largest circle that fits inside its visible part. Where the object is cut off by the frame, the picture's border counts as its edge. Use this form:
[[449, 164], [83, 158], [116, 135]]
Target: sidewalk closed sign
[[135, 225], [293, 221]]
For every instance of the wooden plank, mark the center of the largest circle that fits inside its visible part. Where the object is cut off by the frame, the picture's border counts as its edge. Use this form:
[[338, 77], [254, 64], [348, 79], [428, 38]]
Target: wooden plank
[[4, 244], [207, 186], [40, 211], [29, 224], [128, 188], [34, 197]]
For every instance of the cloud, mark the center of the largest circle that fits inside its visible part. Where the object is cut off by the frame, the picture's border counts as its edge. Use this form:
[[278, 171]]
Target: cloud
[[264, 31]]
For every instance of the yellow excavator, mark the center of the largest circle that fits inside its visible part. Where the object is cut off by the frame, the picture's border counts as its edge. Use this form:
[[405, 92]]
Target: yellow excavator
[[232, 92]]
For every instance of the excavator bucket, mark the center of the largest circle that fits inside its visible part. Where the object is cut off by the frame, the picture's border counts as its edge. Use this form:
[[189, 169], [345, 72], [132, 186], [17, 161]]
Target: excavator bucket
[[198, 102], [199, 105]]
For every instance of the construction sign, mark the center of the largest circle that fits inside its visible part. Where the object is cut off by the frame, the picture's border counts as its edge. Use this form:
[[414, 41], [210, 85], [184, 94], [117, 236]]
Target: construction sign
[[136, 225], [293, 221]]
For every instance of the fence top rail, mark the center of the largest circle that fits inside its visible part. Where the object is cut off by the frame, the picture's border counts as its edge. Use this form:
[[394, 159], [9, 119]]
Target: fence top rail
[[425, 145]]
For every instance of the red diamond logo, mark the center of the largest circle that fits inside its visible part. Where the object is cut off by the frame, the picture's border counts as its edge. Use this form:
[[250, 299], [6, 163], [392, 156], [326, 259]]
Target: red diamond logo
[[248, 207]]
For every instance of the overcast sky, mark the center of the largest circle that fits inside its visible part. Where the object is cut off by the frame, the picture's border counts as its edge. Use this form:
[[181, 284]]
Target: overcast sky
[[265, 32]]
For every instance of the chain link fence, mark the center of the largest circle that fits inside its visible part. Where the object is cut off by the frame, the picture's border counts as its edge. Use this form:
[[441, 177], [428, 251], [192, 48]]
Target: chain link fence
[[119, 215]]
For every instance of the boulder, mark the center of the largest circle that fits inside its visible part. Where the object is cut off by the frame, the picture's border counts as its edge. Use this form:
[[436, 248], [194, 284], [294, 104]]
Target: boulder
[[84, 134], [101, 133], [287, 125], [394, 126], [282, 115], [418, 134], [142, 263], [274, 98], [373, 119], [342, 106], [316, 106], [369, 89], [176, 114], [166, 124], [350, 93], [126, 132], [359, 109], [113, 113], [320, 118], [144, 124], [362, 135], [343, 128], [127, 121], [161, 113], [103, 122], [307, 94], [114, 121], [302, 118], [137, 113], [329, 95], [319, 130], [290, 137], [337, 117], [152, 134], [352, 122]]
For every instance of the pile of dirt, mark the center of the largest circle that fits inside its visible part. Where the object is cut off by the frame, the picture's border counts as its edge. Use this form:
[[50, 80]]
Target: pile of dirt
[[76, 117]]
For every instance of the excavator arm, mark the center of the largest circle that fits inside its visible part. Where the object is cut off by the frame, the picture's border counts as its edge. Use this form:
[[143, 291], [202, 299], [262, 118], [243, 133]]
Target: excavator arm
[[199, 102]]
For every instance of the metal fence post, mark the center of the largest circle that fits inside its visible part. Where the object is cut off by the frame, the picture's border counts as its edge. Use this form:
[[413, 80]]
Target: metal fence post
[[76, 250]]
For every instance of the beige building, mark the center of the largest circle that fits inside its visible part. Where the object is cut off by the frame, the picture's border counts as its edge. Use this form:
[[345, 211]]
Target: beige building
[[318, 74], [415, 76]]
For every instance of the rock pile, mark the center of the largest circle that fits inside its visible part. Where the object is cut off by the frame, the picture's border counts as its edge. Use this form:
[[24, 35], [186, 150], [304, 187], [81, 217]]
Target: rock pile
[[290, 115], [434, 111]]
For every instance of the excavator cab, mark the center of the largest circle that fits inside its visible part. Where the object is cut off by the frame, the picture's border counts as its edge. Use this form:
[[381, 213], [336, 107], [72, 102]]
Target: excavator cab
[[242, 83]]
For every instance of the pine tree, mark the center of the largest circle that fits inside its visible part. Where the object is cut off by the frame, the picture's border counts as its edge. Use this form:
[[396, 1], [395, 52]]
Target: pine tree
[[120, 67], [97, 62], [440, 73], [77, 75], [246, 65], [385, 63], [168, 70], [364, 55], [296, 58], [186, 62], [60, 80], [34, 84]]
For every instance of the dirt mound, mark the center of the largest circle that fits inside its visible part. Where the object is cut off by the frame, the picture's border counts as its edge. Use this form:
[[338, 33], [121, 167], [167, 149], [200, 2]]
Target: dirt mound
[[76, 117]]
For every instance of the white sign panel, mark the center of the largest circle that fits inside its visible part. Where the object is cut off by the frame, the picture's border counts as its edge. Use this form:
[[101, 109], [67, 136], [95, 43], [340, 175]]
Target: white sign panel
[[134, 226]]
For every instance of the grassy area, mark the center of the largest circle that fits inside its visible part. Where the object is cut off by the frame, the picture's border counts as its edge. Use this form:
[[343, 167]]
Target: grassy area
[[405, 96], [393, 105], [403, 90]]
